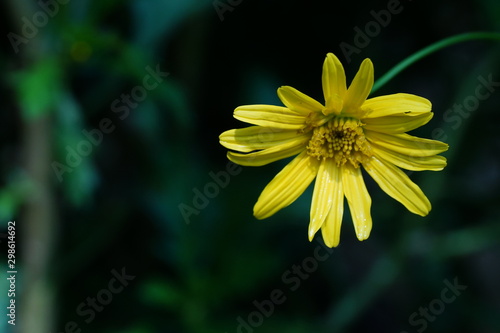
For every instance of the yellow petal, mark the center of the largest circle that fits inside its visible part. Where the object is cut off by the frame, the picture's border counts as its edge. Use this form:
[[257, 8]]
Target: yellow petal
[[331, 226], [398, 185], [286, 186], [334, 84], [414, 163], [272, 154], [255, 138], [263, 157], [396, 124], [269, 116], [324, 188], [297, 101], [359, 89], [396, 105], [358, 199], [406, 144]]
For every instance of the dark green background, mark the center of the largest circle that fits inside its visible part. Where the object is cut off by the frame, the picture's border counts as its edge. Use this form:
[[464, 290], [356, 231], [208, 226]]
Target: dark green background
[[119, 207]]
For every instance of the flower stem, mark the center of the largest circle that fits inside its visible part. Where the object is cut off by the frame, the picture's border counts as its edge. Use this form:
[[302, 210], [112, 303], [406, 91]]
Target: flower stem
[[429, 50]]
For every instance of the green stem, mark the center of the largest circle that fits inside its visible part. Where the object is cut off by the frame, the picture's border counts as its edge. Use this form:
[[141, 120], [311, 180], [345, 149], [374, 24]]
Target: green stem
[[429, 50]]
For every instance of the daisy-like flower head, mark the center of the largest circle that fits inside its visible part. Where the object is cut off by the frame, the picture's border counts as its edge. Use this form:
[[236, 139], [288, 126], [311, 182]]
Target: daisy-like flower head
[[332, 141]]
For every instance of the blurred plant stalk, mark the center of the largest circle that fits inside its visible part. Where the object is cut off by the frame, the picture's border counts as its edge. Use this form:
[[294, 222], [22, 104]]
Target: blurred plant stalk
[[38, 223], [36, 310]]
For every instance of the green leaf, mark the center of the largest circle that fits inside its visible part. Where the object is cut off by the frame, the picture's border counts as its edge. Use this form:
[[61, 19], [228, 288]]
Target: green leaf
[[38, 88], [162, 293]]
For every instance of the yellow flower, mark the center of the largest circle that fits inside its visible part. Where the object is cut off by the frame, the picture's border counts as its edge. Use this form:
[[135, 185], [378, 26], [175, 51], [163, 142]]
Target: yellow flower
[[332, 142]]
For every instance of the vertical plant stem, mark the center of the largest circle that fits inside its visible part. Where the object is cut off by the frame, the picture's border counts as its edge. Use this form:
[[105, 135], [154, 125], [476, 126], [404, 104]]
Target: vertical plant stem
[[36, 311], [37, 224]]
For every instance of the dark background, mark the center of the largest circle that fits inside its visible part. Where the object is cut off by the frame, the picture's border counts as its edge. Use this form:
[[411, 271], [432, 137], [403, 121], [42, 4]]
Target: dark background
[[118, 208]]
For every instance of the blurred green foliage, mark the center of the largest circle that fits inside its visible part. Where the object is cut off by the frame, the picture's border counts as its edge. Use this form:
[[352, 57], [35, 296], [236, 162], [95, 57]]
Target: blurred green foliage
[[118, 206]]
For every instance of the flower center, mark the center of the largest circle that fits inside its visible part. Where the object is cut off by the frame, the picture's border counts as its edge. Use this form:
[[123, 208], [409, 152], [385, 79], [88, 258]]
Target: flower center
[[341, 139]]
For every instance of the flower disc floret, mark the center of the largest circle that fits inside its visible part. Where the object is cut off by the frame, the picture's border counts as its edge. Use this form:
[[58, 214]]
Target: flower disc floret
[[342, 140]]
